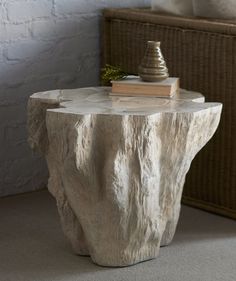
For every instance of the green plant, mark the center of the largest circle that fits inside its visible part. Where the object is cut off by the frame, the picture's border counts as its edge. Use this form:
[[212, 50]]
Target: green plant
[[110, 72]]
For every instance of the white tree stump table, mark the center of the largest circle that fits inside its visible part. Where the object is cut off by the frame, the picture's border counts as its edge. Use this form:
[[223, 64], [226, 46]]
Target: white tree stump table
[[118, 164]]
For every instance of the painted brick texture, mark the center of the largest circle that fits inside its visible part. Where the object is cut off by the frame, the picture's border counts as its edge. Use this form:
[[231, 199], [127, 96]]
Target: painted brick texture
[[44, 44]]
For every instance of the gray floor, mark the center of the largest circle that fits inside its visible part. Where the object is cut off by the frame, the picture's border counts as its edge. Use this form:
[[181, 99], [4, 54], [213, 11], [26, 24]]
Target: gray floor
[[33, 248]]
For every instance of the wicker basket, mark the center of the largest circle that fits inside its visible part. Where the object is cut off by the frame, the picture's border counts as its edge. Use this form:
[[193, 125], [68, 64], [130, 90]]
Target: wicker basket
[[203, 54]]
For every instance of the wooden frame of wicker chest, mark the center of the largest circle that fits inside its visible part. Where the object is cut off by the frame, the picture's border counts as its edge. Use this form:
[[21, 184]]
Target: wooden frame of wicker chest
[[203, 54]]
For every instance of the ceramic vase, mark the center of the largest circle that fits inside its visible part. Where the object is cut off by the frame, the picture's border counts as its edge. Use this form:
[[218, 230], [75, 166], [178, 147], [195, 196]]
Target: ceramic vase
[[153, 67]]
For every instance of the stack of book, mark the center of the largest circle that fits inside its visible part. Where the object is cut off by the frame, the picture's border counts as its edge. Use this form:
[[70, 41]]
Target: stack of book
[[134, 86]]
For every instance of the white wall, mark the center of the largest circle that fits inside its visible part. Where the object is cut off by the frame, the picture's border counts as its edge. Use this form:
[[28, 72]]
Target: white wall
[[44, 44]]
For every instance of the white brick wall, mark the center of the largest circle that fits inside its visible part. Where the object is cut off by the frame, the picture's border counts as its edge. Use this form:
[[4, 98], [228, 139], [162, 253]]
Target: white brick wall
[[22, 10], [44, 44]]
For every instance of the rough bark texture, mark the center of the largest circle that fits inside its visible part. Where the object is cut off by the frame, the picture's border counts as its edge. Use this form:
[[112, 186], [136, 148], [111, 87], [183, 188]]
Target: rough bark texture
[[118, 165]]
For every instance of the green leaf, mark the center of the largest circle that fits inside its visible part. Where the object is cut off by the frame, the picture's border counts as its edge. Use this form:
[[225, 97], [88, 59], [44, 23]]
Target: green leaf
[[110, 72]]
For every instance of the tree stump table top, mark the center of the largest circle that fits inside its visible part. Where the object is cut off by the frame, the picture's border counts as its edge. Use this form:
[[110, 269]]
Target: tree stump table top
[[118, 164], [97, 101]]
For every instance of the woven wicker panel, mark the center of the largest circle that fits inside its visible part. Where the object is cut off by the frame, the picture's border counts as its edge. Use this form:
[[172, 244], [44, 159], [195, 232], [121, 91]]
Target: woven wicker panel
[[206, 62]]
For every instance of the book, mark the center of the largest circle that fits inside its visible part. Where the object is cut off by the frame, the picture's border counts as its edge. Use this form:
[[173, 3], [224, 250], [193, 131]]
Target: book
[[134, 86]]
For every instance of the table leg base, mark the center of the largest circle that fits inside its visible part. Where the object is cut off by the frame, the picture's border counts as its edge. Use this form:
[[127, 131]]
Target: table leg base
[[118, 179]]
